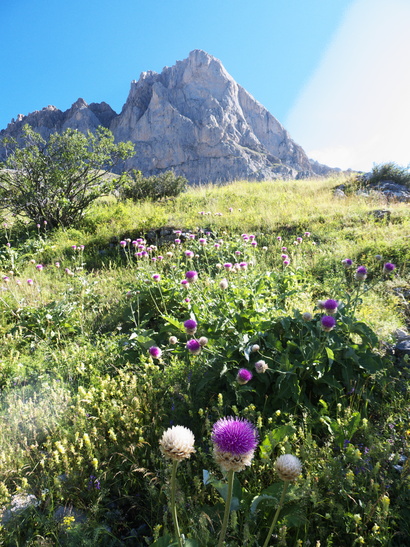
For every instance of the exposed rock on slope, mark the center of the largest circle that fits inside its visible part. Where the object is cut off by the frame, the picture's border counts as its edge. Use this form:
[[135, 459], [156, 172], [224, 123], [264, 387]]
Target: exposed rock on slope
[[192, 118]]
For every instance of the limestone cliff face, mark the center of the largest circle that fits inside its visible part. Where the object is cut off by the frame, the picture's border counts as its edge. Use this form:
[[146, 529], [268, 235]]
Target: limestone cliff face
[[50, 119], [192, 118]]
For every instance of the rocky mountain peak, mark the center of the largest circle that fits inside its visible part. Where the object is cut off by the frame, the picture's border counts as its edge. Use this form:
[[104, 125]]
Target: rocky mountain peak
[[193, 118]]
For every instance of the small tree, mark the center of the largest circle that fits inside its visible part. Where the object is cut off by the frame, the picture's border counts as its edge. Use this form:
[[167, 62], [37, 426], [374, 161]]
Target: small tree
[[56, 180]]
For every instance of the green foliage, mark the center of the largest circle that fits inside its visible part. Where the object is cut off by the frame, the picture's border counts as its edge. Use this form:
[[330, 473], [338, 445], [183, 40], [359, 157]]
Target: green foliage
[[83, 404], [387, 171], [156, 187], [54, 181]]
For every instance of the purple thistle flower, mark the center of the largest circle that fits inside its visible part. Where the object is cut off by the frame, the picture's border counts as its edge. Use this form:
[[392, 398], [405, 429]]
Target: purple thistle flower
[[190, 326], [328, 323], [279, 238], [39, 267], [228, 265], [30, 281], [155, 352], [235, 435], [347, 262], [361, 273], [193, 346], [122, 244], [286, 262], [388, 267], [156, 277], [191, 276], [330, 306], [243, 376]]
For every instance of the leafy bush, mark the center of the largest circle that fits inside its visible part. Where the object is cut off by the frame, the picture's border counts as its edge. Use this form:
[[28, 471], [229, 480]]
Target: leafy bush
[[154, 188], [387, 171], [54, 181]]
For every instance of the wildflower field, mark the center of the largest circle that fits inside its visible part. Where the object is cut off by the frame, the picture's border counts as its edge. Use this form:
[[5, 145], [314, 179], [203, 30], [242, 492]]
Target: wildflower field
[[237, 382]]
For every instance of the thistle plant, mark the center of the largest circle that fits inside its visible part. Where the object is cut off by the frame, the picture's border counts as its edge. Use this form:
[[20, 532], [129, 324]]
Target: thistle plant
[[176, 444], [235, 441], [288, 467]]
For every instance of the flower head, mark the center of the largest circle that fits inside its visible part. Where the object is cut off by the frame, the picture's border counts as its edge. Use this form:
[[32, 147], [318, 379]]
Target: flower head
[[39, 267], [203, 341], [347, 262], [288, 467], [388, 267], [361, 273], [191, 276], [307, 316], [190, 326], [223, 284], [261, 367], [193, 346], [177, 443], [173, 340], [156, 277], [330, 306], [155, 352], [235, 441], [243, 376], [328, 323]]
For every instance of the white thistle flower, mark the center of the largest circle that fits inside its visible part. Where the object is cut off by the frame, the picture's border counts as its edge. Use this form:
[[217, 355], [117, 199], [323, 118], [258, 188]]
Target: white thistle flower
[[288, 467], [223, 284], [177, 443], [261, 367]]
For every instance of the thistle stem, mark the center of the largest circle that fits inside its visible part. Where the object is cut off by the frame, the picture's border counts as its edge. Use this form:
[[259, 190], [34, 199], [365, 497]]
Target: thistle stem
[[227, 507], [173, 507], [275, 518]]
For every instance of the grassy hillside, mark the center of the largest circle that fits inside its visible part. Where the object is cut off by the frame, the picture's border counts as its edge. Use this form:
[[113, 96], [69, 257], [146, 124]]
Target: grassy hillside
[[97, 364]]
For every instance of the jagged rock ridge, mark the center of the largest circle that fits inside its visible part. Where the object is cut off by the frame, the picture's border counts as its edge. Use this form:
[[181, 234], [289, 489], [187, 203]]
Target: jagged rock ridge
[[192, 118]]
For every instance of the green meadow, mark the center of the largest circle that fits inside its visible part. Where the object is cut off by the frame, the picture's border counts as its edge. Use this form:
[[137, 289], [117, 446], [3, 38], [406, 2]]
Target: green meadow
[[97, 365]]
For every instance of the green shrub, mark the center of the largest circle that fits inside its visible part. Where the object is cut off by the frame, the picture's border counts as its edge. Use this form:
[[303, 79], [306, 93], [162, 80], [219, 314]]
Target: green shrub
[[387, 171], [154, 188]]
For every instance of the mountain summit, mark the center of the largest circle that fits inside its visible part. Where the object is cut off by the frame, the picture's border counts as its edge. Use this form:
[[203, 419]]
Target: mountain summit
[[193, 118]]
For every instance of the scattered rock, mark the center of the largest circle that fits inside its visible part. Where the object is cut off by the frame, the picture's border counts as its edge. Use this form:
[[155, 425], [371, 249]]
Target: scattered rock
[[18, 504], [381, 214], [69, 511]]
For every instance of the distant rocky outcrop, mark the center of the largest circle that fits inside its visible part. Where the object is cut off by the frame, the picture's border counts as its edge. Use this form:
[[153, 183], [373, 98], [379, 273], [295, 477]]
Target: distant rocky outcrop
[[192, 118]]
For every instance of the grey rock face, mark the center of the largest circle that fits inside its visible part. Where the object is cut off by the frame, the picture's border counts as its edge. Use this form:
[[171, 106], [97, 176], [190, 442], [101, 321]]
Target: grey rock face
[[192, 118], [50, 119], [195, 119]]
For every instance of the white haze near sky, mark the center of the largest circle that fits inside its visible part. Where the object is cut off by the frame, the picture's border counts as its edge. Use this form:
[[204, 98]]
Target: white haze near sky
[[355, 110]]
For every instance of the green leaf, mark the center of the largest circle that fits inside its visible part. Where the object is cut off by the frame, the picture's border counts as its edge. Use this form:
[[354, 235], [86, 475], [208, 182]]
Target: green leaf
[[330, 355], [263, 497], [222, 488], [174, 322]]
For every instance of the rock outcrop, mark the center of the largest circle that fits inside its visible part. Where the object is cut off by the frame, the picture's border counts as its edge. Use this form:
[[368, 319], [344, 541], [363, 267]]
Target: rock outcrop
[[192, 118]]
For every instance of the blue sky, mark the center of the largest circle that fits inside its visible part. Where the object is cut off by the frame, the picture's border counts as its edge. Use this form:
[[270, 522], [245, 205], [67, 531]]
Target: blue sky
[[309, 62]]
